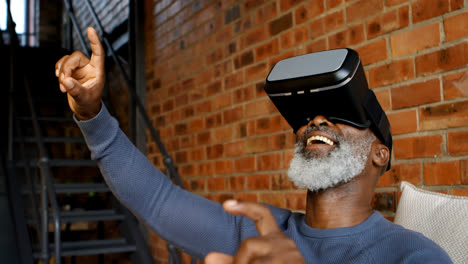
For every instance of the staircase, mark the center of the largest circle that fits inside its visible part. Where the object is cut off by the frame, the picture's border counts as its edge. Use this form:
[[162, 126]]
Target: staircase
[[87, 220]]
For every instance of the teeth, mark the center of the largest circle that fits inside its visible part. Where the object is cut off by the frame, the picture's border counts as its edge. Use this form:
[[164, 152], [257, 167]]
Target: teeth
[[321, 138]]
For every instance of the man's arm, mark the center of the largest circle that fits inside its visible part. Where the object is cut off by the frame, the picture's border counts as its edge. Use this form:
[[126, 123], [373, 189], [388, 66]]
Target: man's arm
[[193, 223]]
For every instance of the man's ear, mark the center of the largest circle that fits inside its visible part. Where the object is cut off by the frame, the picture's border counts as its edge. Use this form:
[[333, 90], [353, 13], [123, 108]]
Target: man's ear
[[380, 155]]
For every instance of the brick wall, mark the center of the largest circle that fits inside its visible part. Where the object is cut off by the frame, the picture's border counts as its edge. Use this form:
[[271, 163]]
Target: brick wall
[[207, 61]]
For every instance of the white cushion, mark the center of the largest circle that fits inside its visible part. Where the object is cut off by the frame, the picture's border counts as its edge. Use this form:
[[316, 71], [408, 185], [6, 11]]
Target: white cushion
[[440, 217]]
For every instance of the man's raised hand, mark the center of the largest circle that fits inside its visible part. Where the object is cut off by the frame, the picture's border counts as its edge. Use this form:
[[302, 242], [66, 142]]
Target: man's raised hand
[[271, 246], [83, 78]]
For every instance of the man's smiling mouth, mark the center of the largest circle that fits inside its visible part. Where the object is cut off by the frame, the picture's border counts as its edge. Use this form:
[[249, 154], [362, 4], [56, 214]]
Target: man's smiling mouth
[[319, 140]]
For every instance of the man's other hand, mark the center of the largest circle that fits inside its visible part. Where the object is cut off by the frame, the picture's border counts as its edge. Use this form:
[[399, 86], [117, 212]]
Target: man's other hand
[[83, 79], [271, 246]]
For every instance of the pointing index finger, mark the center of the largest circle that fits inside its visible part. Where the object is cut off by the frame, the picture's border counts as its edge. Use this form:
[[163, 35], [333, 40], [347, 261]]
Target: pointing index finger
[[260, 214], [98, 54]]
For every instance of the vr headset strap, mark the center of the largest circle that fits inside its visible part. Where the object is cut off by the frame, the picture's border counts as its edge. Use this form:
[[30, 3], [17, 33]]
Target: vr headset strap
[[378, 119]]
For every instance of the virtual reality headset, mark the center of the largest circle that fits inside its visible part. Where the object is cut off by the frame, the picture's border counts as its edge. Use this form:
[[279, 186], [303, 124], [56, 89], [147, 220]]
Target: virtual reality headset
[[329, 83]]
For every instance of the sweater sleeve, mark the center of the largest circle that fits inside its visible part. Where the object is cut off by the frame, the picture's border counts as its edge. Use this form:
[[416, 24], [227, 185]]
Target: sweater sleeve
[[192, 223]]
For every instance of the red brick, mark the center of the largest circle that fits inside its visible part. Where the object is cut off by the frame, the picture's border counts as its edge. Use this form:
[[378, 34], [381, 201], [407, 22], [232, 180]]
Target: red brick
[[363, 8], [373, 52], [387, 22], [416, 94], [244, 164], [269, 162], [243, 94], [394, 72], [456, 27], [334, 21], [442, 173], [243, 59], [214, 56], [403, 122], [423, 37], [296, 201], [267, 50], [293, 38], [456, 4], [288, 4], [256, 145], [280, 24], [247, 196], [256, 72], [351, 36], [222, 134], [216, 184], [222, 101], [458, 142], [258, 182], [271, 124], [308, 11], [418, 147], [383, 96], [401, 172], [213, 120], [205, 169], [275, 199], [181, 157], [203, 107], [287, 157], [394, 2], [252, 4], [237, 183], [223, 167], [259, 108], [464, 171], [234, 148], [444, 116], [282, 141], [425, 9], [233, 115], [197, 185], [196, 125], [456, 85], [266, 13], [333, 3], [215, 151], [318, 45], [317, 28], [197, 154], [443, 60], [234, 80], [253, 37], [460, 192], [280, 181]]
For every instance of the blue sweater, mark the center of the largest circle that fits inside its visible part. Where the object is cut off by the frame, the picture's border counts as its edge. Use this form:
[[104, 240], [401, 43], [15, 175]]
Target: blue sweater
[[199, 226]]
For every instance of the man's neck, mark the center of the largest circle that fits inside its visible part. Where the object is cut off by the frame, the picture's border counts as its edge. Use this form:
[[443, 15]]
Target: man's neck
[[342, 206]]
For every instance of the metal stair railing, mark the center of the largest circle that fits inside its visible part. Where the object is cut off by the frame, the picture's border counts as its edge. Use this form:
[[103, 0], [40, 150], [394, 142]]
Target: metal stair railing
[[168, 161], [47, 188]]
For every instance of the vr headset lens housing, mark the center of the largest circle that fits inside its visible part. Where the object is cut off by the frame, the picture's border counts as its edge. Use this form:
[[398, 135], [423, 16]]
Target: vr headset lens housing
[[330, 83]]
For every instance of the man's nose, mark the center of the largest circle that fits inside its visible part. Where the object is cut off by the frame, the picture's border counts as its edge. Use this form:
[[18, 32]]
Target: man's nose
[[319, 120]]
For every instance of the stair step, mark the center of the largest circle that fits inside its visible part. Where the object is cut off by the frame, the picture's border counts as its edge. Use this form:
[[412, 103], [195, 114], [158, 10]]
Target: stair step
[[90, 216], [53, 140], [61, 163], [72, 188], [92, 247], [85, 216]]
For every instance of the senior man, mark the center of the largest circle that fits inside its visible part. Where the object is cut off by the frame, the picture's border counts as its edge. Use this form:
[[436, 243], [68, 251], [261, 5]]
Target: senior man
[[343, 146]]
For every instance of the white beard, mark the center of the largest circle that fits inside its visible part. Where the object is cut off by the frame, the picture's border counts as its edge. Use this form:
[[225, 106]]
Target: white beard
[[342, 164]]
